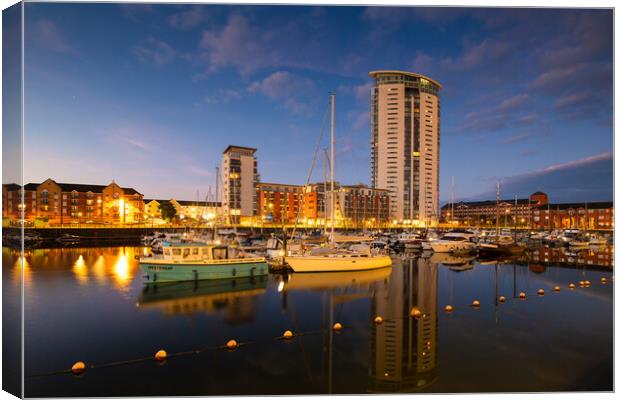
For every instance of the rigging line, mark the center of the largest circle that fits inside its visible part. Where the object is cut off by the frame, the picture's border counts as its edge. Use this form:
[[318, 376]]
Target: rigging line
[[316, 150]]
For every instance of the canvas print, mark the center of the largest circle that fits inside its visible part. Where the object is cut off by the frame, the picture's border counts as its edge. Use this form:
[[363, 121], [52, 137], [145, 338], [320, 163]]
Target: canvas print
[[228, 199]]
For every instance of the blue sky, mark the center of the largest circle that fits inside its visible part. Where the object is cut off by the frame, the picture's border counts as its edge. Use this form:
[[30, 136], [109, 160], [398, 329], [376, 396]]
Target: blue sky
[[150, 95]]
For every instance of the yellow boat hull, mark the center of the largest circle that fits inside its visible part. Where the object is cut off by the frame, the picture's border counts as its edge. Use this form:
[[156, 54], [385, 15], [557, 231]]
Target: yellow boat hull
[[335, 263]]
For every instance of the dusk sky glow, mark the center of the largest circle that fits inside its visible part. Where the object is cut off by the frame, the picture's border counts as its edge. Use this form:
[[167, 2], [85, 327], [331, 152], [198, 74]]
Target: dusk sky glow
[[150, 95]]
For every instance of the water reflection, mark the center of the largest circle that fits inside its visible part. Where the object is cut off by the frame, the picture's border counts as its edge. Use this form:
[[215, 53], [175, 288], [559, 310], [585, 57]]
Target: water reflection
[[235, 298], [88, 265], [79, 269], [404, 349], [21, 270], [602, 256], [321, 281], [100, 293]]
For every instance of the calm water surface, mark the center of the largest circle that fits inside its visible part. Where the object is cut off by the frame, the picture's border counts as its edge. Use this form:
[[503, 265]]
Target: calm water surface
[[91, 304]]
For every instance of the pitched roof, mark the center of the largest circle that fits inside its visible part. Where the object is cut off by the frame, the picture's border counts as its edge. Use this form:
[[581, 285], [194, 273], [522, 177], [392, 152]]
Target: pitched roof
[[11, 187], [595, 205], [78, 187], [198, 203]]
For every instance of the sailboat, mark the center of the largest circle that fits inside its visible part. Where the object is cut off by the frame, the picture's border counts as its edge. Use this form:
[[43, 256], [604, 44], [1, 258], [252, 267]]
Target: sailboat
[[499, 245], [331, 258]]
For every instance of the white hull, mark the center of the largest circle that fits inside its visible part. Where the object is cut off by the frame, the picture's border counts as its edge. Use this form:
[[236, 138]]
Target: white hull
[[335, 263], [440, 246]]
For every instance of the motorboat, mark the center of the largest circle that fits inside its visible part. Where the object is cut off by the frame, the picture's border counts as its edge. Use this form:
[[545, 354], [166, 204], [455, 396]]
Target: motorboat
[[68, 239], [499, 245], [597, 240], [453, 242], [192, 261]]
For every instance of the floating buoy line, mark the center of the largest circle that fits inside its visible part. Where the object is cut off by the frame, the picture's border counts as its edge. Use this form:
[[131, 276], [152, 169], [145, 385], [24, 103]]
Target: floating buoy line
[[161, 356]]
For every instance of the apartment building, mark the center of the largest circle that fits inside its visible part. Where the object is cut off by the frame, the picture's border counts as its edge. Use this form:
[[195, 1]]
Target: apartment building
[[405, 139]]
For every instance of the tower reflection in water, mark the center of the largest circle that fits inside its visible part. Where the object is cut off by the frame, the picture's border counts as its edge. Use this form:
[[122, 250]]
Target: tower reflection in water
[[403, 348]]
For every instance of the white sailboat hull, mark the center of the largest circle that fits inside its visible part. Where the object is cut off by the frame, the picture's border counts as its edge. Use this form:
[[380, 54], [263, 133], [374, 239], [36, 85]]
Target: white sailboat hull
[[335, 263], [447, 246]]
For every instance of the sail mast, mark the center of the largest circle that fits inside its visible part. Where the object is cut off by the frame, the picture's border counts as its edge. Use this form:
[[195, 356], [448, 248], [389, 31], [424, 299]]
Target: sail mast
[[325, 190], [332, 162], [497, 212]]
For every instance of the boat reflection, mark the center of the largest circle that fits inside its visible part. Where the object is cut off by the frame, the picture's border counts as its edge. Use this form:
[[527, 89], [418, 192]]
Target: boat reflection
[[454, 261], [404, 349], [330, 280], [236, 298]]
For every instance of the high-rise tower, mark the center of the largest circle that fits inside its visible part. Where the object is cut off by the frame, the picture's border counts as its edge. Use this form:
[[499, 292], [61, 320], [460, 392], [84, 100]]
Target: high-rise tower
[[405, 132], [239, 178]]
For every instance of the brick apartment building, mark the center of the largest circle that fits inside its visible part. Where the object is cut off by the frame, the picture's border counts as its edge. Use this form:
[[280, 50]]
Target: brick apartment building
[[67, 203]]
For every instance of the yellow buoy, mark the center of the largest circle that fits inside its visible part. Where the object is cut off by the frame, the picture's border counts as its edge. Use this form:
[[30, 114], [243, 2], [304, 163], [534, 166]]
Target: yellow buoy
[[337, 327], [603, 280], [475, 303], [161, 355], [502, 299], [231, 344], [415, 313], [448, 308], [78, 367], [378, 320], [556, 288], [287, 335], [522, 295], [541, 292], [571, 285]]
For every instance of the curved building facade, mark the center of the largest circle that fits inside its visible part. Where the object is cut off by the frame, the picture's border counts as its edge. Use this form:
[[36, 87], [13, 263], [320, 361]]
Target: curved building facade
[[405, 136]]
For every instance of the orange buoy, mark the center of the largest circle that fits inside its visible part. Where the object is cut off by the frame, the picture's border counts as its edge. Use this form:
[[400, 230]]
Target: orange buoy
[[232, 344], [582, 283], [556, 288], [587, 283], [522, 295], [78, 367], [287, 335], [475, 303], [416, 313], [541, 292], [448, 308], [571, 285], [502, 299], [161, 355], [337, 327], [378, 320]]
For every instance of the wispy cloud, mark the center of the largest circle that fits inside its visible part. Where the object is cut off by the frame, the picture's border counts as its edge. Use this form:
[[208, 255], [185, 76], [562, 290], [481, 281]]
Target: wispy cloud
[[223, 96], [188, 18], [45, 33], [239, 45], [287, 88], [155, 51], [585, 179]]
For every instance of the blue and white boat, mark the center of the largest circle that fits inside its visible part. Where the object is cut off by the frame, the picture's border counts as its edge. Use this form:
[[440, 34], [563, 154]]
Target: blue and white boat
[[193, 261]]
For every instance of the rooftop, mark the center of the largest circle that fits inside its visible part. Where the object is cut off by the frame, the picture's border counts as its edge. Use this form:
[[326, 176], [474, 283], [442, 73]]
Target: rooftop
[[375, 74], [233, 147]]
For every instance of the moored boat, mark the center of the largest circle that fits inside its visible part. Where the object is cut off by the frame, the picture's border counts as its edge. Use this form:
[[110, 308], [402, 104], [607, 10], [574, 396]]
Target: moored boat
[[453, 242], [191, 261]]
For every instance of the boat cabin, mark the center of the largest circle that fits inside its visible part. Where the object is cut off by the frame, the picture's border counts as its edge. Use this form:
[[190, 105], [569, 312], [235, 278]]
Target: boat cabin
[[194, 251]]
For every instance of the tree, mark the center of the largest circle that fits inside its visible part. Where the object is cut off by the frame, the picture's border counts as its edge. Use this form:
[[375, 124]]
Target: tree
[[168, 212]]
